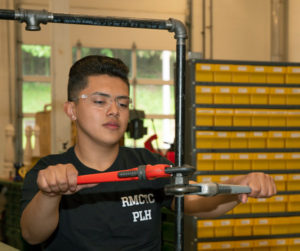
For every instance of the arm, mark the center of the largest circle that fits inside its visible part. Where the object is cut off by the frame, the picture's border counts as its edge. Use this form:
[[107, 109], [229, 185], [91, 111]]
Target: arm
[[261, 185], [40, 217]]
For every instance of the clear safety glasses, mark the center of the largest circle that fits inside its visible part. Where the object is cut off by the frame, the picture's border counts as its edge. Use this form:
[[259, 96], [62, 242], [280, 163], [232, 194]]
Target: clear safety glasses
[[103, 101]]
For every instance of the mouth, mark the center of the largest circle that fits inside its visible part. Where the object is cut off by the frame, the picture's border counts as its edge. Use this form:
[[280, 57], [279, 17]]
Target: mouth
[[112, 125]]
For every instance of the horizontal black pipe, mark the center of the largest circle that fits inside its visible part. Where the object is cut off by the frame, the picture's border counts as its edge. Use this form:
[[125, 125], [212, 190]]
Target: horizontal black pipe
[[110, 21], [7, 14]]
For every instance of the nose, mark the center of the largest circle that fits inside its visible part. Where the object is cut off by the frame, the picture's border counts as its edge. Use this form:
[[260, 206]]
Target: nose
[[113, 108]]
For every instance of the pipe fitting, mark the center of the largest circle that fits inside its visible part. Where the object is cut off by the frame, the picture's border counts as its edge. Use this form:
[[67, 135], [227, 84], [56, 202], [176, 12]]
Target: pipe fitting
[[33, 18], [178, 28]]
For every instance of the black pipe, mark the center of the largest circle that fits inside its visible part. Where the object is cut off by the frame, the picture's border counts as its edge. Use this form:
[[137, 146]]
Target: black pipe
[[7, 14], [179, 139], [111, 21]]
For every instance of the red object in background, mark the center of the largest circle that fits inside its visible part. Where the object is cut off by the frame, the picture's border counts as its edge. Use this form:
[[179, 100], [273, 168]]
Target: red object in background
[[170, 155], [148, 144]]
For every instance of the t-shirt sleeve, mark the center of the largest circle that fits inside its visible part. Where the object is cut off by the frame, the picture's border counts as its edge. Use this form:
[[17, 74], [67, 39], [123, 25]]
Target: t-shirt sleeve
[[30, 187]]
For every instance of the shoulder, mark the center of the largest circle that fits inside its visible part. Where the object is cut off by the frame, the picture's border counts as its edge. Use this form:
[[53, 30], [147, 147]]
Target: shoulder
[[53, 159]]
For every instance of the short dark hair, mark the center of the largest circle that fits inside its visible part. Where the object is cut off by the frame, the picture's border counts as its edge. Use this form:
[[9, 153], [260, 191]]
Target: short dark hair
[[91, 66]]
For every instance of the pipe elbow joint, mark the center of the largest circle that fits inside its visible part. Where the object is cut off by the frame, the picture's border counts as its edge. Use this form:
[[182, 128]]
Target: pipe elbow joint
[[177, 27]]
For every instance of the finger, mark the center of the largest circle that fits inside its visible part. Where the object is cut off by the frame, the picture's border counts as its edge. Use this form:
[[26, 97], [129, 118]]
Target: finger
[[52, 180], [243, 198], [47, 181], [42, 183], [61, 178], [72, 174]]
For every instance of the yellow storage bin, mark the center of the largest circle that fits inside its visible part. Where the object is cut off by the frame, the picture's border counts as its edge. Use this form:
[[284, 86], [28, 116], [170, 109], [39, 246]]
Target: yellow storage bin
[[259, 96], [279, 244], [260, 161], [243, 227], [205, 228], [293, 75], [280, 225], [276, 74], [280, 181], [204, 94], [293, 96], [293, 160], [277, 117], [242, 208], [292, 139], [242, 161], [224, 227], [277, 96], [224, 245], [276, 139], [205, 161], [262, 226], [293, 203], [240, 73], [245, 245], [222, 178], [241, 95], [278, 203], [294, 225], [223, 95], [258, 74], [223, 73], [206, 246], [278, 161], [260, 117], [293, 182], [221, 140], [294, 244], [262, 245], [205, 139], [223, 117], [204, 72], [205, 178], [205, 117], [239, 140], [242, 117], [257, 139], [259, 205], [224, 161], [293, 118]]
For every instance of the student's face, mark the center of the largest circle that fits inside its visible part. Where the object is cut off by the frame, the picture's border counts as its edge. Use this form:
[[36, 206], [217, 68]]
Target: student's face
[[103, 116]]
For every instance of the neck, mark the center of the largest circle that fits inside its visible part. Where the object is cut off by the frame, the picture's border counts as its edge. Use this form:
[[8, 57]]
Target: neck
[[96, 156]]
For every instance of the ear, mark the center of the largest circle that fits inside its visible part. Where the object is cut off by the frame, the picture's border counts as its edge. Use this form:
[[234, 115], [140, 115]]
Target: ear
[[69, 108]]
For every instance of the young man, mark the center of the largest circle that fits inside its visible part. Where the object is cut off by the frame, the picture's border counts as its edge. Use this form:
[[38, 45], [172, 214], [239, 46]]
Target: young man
[[107, 216]]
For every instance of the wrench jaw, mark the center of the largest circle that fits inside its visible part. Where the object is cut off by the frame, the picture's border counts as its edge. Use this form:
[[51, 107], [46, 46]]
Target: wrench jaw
[[205, 189]]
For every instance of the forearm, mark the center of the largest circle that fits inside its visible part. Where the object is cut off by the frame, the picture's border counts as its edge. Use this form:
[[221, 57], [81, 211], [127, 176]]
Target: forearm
[[209, 207], [40, 218]]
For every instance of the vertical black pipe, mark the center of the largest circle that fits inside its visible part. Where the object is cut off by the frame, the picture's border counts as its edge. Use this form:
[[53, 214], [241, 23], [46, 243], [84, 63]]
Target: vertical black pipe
[[179, 140]]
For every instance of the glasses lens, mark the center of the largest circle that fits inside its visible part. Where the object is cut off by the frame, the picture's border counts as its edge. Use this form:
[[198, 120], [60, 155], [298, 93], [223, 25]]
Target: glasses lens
[[100, 101], [123, 102]]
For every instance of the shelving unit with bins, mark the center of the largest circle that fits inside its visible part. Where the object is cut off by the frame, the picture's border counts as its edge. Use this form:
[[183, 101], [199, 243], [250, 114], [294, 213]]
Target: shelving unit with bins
[[245, 116]]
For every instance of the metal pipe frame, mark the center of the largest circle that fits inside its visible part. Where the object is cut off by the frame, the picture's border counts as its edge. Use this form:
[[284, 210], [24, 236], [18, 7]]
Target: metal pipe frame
[[33, 19]]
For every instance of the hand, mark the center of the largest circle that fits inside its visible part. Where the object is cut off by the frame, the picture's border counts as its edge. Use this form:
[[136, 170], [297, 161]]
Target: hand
[[262, 185], [59, 179]]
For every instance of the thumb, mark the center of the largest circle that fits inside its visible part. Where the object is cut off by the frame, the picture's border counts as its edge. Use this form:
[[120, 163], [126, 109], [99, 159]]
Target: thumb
[[243, 198]]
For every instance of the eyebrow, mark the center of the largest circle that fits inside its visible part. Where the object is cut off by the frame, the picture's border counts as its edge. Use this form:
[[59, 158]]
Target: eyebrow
[[108, 95]]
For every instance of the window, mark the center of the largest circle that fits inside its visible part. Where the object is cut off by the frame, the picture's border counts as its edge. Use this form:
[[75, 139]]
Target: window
[[36, 87], [152, 89]]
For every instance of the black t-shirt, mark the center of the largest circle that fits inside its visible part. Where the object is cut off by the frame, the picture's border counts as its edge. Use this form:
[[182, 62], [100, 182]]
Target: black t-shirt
[[110, 216]]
